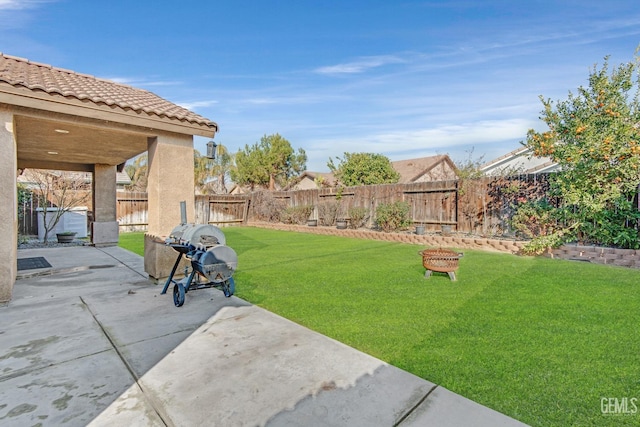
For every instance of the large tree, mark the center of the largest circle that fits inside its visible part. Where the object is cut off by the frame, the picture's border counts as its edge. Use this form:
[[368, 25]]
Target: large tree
[[594, 136], [270, 161], [363, 169]]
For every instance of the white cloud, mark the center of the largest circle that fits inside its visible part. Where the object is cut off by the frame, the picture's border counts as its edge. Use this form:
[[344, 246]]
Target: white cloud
[[136, 82], [20, 4], [482, 132], [360, 66], [262, 101], [197, 104], [17, 15], [425, 142]]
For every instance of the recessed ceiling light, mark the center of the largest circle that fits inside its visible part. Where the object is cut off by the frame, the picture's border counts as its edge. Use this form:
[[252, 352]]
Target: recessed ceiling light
[[61, 130], [52, 152]]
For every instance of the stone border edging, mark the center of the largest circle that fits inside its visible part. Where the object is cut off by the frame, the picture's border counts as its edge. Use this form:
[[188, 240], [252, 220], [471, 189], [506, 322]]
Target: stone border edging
[[599, 255], [453, 241]]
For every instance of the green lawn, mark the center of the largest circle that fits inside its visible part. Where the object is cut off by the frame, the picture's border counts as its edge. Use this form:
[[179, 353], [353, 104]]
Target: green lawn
[[538, 339], [133, 242]]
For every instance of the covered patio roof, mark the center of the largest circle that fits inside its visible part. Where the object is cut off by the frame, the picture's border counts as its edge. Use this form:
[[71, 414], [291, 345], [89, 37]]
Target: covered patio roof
[[52, 118], [68, 120]]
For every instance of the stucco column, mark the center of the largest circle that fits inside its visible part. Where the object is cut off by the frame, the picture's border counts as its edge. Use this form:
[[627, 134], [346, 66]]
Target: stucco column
[[8, 207], [170, 181], [104, 229]]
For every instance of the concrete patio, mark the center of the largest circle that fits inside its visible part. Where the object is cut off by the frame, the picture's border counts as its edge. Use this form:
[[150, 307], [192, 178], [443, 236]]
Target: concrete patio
[[90, 341]]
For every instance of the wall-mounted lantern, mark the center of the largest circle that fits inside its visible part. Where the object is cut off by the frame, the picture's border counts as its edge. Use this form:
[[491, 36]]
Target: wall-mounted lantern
[[211, 150]]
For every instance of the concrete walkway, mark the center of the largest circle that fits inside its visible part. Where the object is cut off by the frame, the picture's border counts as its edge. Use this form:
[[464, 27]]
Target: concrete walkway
[[90, 341]]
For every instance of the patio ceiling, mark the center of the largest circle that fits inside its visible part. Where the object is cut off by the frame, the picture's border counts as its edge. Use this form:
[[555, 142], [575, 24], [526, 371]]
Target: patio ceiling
[[51, 144]]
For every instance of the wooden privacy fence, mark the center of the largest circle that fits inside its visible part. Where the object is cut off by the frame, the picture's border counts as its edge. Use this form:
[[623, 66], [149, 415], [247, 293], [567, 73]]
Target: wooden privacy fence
[[132, 211], [432, 203], [222, 209], [482, 206], [28, 215]]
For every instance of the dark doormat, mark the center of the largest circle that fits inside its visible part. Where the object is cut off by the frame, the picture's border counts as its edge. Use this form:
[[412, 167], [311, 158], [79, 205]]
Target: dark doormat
[[32, 263]]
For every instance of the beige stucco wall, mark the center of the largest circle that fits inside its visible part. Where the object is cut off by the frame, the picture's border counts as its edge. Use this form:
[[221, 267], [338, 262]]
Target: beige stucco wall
[[104, 230], [170, 181], [8, 207]]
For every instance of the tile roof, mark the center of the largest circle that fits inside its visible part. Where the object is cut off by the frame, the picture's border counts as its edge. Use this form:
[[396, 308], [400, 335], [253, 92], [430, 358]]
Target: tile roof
[[20, 72]]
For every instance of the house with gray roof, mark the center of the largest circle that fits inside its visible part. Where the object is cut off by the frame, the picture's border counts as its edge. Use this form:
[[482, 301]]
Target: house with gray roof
[[519, 161]]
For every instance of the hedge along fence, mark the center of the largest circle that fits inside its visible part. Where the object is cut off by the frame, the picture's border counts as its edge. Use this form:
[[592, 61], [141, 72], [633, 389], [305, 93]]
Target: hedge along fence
[[481, 206]]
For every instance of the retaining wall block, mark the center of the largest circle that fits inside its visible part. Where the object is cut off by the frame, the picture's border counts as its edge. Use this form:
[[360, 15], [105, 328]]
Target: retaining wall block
[[623, 262]]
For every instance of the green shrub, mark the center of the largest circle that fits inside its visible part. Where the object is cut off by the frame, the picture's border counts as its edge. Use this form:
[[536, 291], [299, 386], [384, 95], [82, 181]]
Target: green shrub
[[393, 216], [296, 214], [533, 219], [541, 244], [537, 220], [615, 227], [358, 217]]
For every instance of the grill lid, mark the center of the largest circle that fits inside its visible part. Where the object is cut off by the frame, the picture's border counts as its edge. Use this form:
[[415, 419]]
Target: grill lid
[[199, 235]]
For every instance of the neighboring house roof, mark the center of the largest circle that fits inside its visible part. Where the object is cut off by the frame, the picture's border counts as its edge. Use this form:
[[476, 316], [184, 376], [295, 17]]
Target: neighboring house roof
[[412, 170], [68, 87], [235, 189], [521, 160], [326, 177], [309, 180], [122, 178]]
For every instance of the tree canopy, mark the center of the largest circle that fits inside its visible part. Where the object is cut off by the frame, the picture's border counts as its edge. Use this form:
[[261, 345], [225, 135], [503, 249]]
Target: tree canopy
[[363, 169], [594, 136], [270, 161]]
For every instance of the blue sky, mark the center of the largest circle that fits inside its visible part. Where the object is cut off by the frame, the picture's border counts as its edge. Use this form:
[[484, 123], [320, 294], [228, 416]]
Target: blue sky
[[402, 78]]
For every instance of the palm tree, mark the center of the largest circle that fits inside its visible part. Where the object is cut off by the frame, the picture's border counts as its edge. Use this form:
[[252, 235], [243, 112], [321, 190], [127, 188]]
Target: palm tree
[[137, 171], [211, 175]]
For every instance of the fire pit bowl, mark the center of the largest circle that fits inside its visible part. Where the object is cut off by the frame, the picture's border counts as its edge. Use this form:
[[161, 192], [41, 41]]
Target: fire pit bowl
[[440, 260]]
